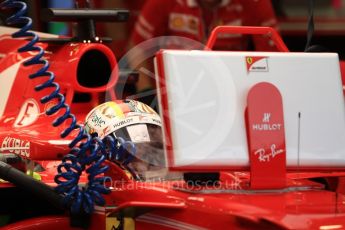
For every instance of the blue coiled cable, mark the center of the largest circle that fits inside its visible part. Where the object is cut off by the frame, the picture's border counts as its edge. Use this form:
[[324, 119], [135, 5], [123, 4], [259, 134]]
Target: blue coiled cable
[[87, 153]]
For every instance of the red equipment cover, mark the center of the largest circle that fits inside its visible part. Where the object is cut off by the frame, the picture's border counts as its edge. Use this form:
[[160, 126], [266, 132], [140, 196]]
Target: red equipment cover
[[266, 137]]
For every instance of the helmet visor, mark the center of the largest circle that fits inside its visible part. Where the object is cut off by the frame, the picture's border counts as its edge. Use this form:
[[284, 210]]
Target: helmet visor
[[149, 161]]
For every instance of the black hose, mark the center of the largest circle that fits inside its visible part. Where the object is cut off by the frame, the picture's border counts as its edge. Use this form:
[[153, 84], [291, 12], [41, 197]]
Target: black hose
[[25, 182]]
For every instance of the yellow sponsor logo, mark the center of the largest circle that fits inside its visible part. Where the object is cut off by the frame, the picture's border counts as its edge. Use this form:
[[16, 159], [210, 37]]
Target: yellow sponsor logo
[[112, 223], [126, 223], [178, 22], [249, 60]]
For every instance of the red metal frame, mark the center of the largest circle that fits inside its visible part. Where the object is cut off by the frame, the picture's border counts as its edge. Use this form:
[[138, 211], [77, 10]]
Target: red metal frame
[[251, 30]]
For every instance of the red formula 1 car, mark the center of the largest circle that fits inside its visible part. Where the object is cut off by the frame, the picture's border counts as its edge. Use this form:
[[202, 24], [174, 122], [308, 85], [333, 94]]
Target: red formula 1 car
[[206, 198]]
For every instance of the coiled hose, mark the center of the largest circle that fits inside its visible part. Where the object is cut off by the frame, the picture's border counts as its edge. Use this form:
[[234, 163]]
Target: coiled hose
[[87, 152]]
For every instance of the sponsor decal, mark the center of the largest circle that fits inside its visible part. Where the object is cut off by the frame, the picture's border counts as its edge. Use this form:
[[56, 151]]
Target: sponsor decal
[[257, 64], [115, 223], [156, 121], [148, 119], [177, 22], [28, 113], [97, 120], [266, 118], [112, 223], [266, 156], [16, 146], [122, 123], [265, 125], [141, 107], [184, 23]]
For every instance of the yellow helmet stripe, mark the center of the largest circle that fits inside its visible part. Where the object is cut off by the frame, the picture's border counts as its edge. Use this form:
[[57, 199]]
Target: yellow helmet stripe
[[117, 109]]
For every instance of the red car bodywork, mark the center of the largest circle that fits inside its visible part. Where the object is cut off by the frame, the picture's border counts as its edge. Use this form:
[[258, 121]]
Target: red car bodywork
[[305, 203]]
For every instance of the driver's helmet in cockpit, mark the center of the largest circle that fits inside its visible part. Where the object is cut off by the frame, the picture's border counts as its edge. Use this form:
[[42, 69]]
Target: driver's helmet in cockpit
[[135, 122]]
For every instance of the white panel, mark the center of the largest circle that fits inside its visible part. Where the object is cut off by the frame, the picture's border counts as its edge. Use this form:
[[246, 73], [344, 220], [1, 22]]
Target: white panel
[[207, 94]]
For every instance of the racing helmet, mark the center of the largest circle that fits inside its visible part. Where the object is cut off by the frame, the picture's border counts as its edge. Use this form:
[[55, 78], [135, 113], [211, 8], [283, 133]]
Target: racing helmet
[[135, 122]]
